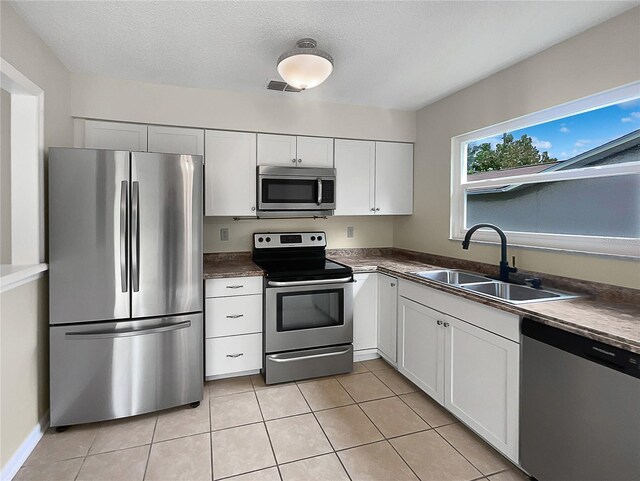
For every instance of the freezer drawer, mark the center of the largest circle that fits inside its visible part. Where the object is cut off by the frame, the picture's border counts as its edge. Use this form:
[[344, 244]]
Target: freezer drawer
[[115, 369]]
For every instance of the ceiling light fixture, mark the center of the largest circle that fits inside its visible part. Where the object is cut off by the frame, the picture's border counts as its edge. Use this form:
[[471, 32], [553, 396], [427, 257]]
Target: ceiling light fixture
[[306, 66]]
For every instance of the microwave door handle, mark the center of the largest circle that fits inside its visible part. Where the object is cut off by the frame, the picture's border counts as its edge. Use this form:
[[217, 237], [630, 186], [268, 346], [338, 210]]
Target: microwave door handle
[[319, 191]]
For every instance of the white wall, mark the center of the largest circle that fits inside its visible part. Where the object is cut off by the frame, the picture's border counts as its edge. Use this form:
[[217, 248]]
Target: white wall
[[5, 177], [24, 310], [601, 58]]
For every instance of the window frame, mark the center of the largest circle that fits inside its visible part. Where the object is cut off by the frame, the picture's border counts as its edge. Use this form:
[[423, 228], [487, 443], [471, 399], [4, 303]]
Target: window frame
[[600, 245]]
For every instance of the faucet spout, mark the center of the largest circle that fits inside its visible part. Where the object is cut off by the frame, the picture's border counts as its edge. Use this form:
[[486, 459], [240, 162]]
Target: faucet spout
[[505, 269]]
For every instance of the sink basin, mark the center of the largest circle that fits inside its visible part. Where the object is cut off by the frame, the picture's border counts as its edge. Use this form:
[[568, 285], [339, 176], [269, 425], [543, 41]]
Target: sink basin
[[516, 294], [451, 277]]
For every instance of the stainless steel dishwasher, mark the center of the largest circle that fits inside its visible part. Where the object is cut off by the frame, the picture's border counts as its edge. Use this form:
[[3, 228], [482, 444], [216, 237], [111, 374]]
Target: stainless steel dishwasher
[[580, 407]]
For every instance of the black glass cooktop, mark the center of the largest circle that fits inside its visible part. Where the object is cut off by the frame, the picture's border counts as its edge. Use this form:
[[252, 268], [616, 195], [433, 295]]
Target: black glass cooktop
[[304, 269]]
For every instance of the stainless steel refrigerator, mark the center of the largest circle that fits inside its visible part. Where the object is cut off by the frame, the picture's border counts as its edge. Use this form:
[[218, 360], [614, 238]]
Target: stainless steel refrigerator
[[125, 283]]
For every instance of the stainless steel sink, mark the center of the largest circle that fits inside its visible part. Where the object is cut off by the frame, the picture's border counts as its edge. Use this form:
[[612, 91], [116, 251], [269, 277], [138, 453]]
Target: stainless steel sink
[[516, 294], [453, 277]]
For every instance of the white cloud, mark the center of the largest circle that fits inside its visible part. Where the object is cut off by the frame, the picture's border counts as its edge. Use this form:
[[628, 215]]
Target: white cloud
[[582, 142], [541, 144], [564, 130], [633, 117]]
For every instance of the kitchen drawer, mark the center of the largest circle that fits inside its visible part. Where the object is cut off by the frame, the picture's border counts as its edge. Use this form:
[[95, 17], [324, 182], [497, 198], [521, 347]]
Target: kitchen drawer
[[233, 286], [230, 316], [226, 355]]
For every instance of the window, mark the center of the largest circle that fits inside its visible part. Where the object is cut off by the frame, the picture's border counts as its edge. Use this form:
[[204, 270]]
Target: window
[[564, 178]]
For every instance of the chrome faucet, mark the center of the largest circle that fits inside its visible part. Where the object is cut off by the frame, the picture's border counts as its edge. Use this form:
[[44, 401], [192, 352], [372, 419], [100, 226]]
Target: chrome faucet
[[505, 269]]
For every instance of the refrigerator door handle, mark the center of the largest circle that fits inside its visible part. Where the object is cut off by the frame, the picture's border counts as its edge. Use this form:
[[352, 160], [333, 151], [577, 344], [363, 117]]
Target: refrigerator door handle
[[110, 334], [124, 258], [135, 237]]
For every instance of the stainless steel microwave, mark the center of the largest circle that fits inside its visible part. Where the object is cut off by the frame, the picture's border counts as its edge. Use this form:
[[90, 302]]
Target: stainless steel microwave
[[296, 191]]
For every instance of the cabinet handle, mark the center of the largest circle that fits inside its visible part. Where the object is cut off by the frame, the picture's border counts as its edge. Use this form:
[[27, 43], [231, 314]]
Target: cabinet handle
[[439, 323], [235, 316], [235, 355], [377, 209], [235, 287], [299, 161], [253, 209], [393, 284], [446, 324], [372, 209], [294, 160]]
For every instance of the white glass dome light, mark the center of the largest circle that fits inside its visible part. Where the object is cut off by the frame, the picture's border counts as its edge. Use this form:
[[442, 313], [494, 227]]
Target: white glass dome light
[[306, 66]]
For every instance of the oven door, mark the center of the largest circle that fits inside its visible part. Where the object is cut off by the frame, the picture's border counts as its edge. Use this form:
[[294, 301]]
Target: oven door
[[306, 314], [300, 192]]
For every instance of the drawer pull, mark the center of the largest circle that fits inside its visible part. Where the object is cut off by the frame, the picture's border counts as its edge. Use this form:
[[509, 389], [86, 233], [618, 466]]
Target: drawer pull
[[235, 355], [440, 323], [235, 287], [235, 316]]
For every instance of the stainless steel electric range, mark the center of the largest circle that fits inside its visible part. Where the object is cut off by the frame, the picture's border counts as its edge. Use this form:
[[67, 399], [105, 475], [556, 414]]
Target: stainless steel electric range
[[308, 307]]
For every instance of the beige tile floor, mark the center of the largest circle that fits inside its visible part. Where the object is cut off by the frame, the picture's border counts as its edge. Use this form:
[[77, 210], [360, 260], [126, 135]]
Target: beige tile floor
[[369, 425]]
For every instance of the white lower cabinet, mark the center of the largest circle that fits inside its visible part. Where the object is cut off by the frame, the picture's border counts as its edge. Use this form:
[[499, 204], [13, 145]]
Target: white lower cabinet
[[233, 326], [482, 383], [365, 312], [463, 364], [421, 347], [387, 317], [234, 354]]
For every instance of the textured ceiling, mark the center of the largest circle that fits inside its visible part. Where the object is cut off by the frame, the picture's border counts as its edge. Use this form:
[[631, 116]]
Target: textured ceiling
[[388, 54]]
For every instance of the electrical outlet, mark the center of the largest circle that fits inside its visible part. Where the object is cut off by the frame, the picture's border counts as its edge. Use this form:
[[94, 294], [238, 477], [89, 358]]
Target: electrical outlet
[[224, 234], [350, 231]]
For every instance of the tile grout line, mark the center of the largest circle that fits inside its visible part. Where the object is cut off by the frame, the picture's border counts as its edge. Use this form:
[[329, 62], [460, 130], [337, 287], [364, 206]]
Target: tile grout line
[[146, 466], [211, 429], [273, 451], [324, 432]]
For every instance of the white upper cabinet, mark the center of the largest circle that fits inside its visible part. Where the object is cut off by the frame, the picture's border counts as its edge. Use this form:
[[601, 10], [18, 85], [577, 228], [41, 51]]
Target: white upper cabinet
[[292, 151], [315, 152], [230, 173], [365, 311], [277, 150], [355, 178], [394, 178], [175, 140], [115, 136]]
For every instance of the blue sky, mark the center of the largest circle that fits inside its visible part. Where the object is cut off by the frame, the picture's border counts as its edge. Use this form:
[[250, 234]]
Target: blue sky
[[570, 136]]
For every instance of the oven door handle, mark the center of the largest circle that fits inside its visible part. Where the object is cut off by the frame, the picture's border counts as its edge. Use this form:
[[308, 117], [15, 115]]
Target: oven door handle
[[309, 283], [313, 356]]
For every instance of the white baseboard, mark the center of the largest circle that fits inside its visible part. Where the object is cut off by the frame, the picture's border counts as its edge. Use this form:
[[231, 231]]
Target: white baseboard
[[10, 469], [365, 355], [233, 374]]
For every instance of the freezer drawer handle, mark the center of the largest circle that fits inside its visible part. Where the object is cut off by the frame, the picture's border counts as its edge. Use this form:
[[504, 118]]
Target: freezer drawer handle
[[130, 333], [234, 316], [135, 237], [238, 286], [124, 220], [313, 356], [235, 355]]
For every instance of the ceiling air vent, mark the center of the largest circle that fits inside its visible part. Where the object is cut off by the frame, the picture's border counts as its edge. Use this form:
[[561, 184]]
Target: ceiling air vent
[[281, 86]]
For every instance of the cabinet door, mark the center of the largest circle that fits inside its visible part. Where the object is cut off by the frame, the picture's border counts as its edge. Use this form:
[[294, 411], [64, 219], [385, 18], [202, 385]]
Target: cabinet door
[[315, 152], [277, 150], [355, 177], [394, 178], [175, 140], [365, 312], [387, 316], [481, 383], [230, 173], [115, 136], [421, 347]]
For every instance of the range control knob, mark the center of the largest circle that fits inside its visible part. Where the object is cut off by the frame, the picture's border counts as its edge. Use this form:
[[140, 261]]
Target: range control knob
[[313, 237], [268, 239], [319, 237]]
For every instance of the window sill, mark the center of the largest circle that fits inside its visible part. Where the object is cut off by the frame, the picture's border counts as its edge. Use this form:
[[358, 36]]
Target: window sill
[[12, 276]]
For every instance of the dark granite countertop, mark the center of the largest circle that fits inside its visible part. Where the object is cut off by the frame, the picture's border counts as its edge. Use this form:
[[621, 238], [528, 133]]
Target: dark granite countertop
[[605, 313]]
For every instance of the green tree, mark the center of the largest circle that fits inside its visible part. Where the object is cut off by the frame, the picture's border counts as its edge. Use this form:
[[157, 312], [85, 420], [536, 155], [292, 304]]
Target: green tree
[[508, 154]]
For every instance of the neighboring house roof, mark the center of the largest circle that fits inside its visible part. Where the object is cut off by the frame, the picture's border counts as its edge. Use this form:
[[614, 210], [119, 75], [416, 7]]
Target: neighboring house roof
[[611, 152]]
